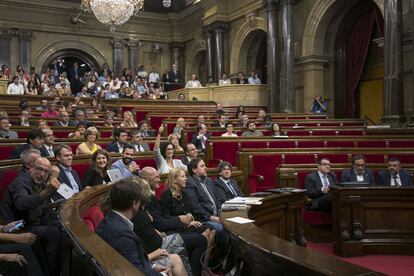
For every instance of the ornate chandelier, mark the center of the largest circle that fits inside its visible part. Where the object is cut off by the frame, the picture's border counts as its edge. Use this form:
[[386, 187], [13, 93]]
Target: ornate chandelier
[[112, 12]]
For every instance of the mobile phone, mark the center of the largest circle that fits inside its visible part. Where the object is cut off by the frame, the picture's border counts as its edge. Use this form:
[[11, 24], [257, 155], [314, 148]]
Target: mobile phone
[[18, 226]]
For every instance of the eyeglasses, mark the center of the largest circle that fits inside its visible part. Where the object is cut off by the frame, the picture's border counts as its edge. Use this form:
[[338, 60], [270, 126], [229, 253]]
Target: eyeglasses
[[169, 148], [41, 169]]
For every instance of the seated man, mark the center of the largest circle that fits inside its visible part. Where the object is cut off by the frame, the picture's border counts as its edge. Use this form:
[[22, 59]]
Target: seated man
[[126, 165], [394, 176], [25, 119], [190, 153], [69, 176], [358, 172], [225, 187], [252, 131], [5, 132], [317, 187], [28, 157], [145, 131], [117, 230], [199, 138], [26, 199], [49, 142], [221, 122], [137, 142], [120, 140], [63, 119], [34, 140]]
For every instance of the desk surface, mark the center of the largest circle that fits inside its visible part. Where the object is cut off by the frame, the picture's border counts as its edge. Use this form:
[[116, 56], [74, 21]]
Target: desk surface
[[269, 254]]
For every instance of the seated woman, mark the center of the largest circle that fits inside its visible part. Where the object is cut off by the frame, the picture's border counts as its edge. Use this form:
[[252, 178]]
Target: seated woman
[[174, 139], [175, 203], [164, 158], [193, 83], [276, 130], [79, 132], [96, 173], [89, 146], [319, 105], [42, 124], [128, 120], [179, 126], [229, 130]]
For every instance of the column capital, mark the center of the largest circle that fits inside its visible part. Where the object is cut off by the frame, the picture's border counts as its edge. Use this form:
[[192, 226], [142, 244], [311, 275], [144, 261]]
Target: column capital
[[6, 33], [177, 45], [25, 35], [287, 2], [134, 43], [270, 4], [219, 26], [117, 43]]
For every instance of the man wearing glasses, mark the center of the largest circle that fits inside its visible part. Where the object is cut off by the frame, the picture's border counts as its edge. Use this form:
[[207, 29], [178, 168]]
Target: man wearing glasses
[[26, 199], [317, 185]]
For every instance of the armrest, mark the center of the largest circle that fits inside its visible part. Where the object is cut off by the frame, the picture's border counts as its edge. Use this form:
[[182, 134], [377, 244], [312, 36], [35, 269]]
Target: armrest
[[253, 181]]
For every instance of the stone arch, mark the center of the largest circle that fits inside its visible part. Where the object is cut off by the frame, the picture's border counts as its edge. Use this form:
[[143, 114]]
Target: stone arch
[[258, 23], [318, 22], [192, 62], [71, 46]]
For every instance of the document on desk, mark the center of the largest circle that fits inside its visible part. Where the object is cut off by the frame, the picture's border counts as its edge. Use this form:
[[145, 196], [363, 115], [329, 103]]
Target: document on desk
[[240, 220], [246, 200]]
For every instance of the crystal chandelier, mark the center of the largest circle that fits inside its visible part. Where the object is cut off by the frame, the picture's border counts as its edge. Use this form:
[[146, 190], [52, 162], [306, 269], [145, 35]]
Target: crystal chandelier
[[112, 12]]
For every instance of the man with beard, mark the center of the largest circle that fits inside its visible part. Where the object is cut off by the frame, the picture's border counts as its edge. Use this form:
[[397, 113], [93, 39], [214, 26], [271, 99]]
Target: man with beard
[[126, 166]]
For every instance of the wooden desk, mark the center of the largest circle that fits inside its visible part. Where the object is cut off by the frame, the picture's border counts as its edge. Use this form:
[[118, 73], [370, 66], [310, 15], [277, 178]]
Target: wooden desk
[[265, 245], [3, 86], [373, 220]]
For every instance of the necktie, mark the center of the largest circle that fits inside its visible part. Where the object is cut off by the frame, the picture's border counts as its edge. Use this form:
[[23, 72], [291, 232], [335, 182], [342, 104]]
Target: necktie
[[72, 181], [232, 191], [325, 181], [51, 153], [395, 178], [209, 196]]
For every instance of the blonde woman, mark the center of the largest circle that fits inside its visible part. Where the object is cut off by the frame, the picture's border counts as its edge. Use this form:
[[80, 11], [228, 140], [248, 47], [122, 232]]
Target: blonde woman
[[89, 146], [175, 140], [175, 203], [179, 126], [128, 120]]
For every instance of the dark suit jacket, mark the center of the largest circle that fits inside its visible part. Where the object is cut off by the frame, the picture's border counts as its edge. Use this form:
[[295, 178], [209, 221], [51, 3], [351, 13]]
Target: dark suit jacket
[[223, 193], [245, 81], [114, 230], [349, 175], [313, 184], [57, 123], [15, 154], [113, 147], [217, 124], [185, 161], [161, 221], [22, 201], [92, 178], [199, 201], [197, 142], [173, 76], [46, 151], [384, 178], [64, 179], [31, 123], [145, 230]]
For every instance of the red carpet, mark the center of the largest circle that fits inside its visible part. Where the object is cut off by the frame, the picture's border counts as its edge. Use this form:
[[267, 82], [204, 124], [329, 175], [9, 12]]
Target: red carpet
[[393, 265]]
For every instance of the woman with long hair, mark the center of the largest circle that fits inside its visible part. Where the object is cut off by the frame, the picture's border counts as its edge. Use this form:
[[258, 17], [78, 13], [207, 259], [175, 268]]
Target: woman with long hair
[[89, 146], [99, 164], [174, 139], [164, 157], [128, 120], [179, 126]]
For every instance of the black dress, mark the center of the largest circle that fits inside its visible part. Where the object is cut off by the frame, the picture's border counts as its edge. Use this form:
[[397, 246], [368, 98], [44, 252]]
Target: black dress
[[92, 178], [173, 206]]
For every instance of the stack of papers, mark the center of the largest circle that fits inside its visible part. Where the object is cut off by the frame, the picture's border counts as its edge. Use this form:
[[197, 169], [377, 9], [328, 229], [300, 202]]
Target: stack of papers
[[242, 202]]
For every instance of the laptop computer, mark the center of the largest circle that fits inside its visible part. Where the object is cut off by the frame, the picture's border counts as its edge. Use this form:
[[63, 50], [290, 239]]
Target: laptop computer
[[114, 175]]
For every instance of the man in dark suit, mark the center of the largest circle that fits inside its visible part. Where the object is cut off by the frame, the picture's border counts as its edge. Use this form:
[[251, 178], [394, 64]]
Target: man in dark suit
[[137, 142], [67, 175], [358, 172], [225, 187], [317, 186], [394, 176], [221, 122], [200, 138], [25, 119], [75, 78], [34, 140], [26, 196], [120, 139], [174, 77], [241, 79], [49, 142], [190, 153], [63, 119], [117, 229]]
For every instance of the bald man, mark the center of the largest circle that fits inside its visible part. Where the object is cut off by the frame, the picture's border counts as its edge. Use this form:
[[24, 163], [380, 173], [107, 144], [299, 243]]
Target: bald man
[[25, 199], [195, 243]]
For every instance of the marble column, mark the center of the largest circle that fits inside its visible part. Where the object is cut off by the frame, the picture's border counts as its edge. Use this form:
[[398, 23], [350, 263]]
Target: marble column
[[25, 38], [271, 7], [177, 50], [133, 46], [219, 29], [287, 73], [117, 45], [393, 67], [209, 51], [5, 50]]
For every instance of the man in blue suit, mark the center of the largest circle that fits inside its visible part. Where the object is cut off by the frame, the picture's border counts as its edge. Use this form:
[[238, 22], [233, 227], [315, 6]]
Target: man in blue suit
[[394, 176], [67, 175], [121, 139], [117, 230], [358, 172]]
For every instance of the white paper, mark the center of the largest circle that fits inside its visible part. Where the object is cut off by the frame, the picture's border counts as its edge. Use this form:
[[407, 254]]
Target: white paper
[[240, 220], [245, 200], [65, 191]]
